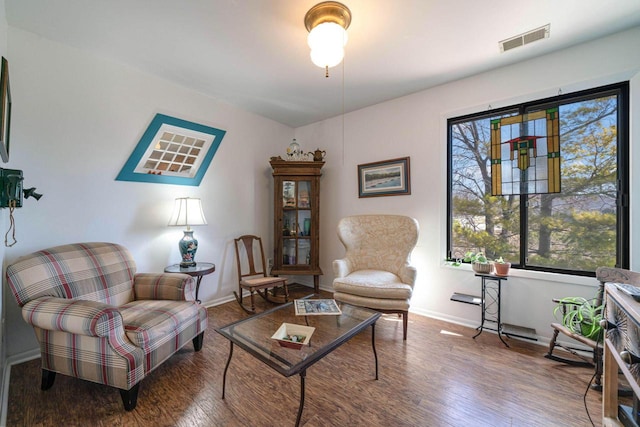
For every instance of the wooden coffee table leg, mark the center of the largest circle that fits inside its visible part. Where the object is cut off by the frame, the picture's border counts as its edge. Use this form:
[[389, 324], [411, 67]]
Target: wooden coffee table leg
[[303, 374], [224, 376]]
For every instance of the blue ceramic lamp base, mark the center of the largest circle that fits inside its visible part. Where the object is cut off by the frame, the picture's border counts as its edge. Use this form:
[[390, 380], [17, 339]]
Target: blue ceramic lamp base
[[188, 247]]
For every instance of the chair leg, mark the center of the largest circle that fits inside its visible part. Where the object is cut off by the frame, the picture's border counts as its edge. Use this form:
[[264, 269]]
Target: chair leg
[[239, 295], [552, 342], [597, 359], [253, 304], [130, 397], [264, 294], [197, 341], [48, 377], [239, 299], [269, 294], [405, 324]]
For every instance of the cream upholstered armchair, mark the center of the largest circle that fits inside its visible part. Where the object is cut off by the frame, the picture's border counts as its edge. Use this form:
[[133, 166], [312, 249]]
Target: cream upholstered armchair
[[375, 272], [98, 320]]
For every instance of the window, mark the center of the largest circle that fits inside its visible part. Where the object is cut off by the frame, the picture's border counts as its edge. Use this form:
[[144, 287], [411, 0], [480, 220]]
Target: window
[[514, 201]]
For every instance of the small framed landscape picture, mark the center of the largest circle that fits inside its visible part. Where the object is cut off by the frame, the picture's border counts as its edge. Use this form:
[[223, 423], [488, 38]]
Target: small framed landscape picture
[[386, 178]]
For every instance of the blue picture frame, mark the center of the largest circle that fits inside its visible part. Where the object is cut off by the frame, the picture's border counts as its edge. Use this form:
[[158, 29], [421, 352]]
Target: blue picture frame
[[157, 159]]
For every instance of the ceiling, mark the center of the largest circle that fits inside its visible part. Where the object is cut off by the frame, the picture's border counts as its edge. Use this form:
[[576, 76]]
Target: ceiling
[[253, 53]]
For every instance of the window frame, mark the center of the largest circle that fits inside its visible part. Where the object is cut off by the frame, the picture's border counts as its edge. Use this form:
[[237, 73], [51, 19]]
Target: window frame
[[621, 90]]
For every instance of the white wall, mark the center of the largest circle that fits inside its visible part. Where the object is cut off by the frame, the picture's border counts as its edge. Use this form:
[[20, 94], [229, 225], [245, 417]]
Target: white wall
[[415, 126], [76, 120]]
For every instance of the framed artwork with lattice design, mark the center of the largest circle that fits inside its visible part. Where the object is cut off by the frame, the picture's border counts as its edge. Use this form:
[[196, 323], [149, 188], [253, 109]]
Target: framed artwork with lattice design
[[172, 151]]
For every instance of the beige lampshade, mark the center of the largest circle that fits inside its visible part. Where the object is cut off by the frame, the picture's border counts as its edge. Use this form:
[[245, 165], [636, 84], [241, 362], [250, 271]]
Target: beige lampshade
[[187, 211]]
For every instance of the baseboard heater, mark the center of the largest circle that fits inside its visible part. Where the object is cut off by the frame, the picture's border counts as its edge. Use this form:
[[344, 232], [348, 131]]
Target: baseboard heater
[[519, 331]]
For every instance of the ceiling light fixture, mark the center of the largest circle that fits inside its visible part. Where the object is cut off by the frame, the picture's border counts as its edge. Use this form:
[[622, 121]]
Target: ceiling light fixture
[[327, 23]]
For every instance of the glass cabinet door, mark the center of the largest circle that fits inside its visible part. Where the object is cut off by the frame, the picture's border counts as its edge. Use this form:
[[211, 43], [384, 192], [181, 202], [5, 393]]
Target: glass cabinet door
[[296, 218], [296, 222]]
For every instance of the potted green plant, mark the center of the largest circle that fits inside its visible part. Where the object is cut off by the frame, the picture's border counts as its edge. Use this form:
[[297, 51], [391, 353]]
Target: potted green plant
[[501, 266], [581, 316], [479, 262]]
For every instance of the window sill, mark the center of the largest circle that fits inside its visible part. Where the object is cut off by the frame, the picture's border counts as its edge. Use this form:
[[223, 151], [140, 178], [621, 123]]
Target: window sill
[[538, 276]]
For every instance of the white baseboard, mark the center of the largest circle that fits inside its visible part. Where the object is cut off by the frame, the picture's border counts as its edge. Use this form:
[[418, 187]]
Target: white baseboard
[[540, 340]]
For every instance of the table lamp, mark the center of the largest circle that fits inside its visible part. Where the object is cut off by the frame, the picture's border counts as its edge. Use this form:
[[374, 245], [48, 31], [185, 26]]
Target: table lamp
[[187, 211]]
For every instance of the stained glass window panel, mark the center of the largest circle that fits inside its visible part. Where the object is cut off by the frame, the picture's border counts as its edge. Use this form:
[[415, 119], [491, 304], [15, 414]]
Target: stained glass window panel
[[525, 154]]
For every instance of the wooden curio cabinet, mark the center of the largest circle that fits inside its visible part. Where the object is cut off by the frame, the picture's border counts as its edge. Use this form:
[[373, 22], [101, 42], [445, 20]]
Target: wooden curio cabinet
[[296, 203]]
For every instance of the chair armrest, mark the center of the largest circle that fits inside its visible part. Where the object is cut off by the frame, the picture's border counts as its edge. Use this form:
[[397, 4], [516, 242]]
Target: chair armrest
[[167, 286], [79, 317], [408, 275], [580, 338], [561, 301], [562, 306], [341, 267]]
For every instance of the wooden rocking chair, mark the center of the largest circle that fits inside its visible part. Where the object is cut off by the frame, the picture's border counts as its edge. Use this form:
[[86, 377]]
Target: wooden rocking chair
[[591, 356], [253, 277], [594, 348]]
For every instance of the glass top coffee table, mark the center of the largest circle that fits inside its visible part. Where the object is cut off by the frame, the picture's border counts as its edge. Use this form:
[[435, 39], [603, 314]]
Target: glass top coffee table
[[253, 335]]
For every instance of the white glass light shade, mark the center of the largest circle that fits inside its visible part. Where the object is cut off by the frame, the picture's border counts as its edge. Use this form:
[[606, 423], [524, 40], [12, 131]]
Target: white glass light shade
[[187, 211], [327, 42]]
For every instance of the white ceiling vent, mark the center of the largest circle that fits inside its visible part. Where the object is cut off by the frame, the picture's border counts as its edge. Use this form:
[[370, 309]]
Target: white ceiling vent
[[525, 38]]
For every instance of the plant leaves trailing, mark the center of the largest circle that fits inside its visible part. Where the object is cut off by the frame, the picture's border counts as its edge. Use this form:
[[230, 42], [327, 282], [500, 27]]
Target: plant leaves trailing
[[582, 316]]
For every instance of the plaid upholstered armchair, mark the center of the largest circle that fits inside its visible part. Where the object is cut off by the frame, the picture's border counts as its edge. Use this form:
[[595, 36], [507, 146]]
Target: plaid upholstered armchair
[[97, 319], [375, 271]]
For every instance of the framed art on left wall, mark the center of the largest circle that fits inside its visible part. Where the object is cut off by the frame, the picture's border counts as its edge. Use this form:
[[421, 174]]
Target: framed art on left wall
[[5, 111]]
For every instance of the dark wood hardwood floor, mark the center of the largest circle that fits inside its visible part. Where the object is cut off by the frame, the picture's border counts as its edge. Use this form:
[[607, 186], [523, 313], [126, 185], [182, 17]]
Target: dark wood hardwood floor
[[439, 377]]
